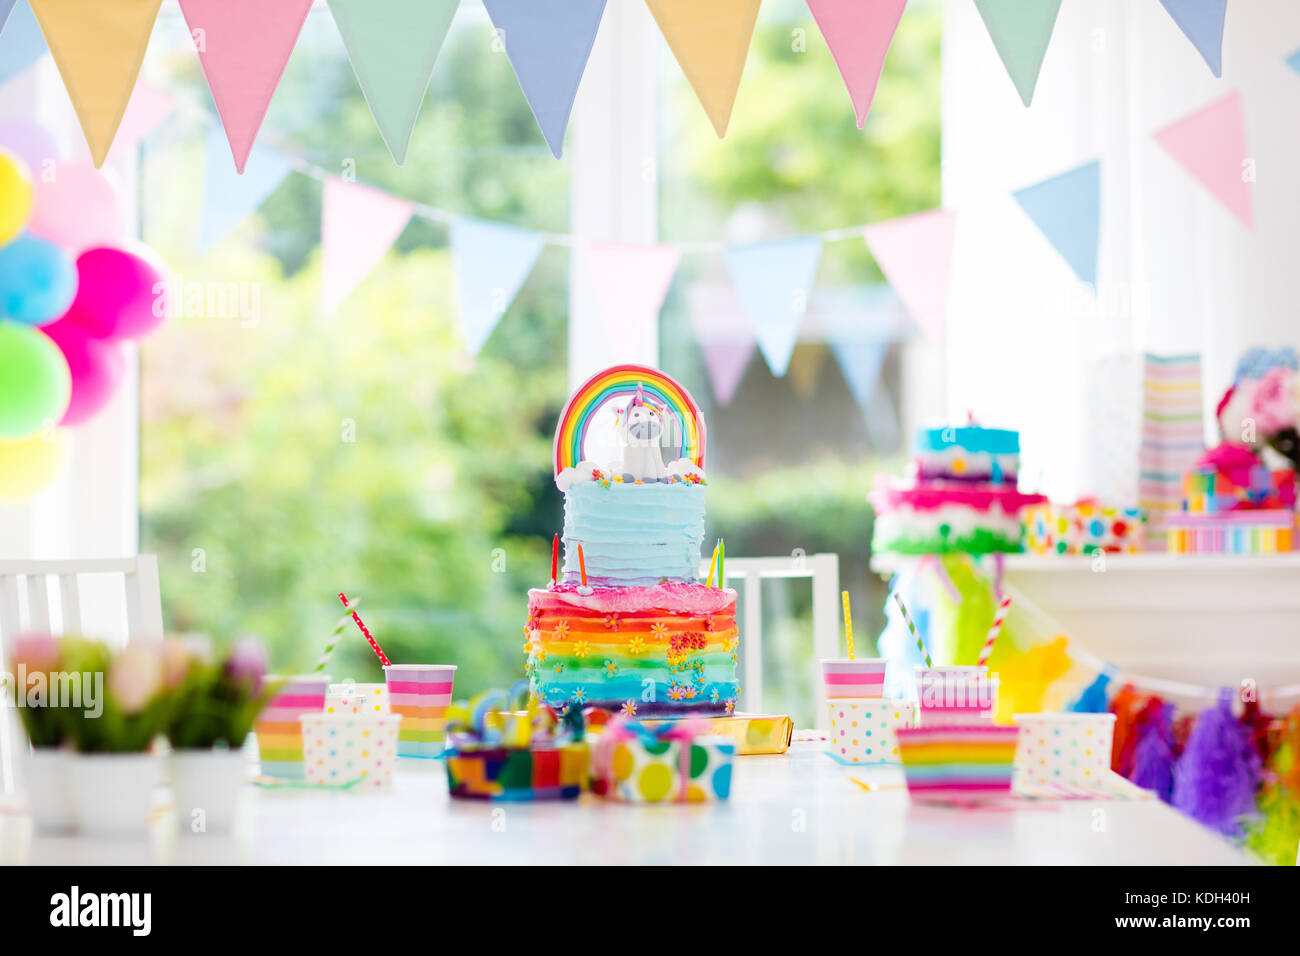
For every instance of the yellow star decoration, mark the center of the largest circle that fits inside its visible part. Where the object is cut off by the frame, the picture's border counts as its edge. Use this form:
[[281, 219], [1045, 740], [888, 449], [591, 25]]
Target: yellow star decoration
[[581, 649]]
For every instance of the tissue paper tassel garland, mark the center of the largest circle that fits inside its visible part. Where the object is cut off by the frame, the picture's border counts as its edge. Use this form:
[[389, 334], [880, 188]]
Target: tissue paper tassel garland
[[1153, 757], [1216, 777]]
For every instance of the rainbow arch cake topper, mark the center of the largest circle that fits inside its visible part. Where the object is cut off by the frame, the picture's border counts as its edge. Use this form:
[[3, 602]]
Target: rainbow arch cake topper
[[622, 381]]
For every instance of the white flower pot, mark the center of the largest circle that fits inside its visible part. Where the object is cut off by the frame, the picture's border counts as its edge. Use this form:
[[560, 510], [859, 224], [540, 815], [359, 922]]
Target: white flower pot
[[112, 794], [207, 785], [48, 797]]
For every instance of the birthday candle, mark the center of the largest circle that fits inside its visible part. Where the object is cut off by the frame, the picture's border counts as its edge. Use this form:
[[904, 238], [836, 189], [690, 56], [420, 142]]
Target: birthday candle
[[582, 564], [722, 557], [555, 559]]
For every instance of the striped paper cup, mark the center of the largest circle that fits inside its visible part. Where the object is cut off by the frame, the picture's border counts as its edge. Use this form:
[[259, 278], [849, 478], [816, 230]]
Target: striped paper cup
[[861, 677], [279, 726], [421, 693], [958, 763], [956, 696]]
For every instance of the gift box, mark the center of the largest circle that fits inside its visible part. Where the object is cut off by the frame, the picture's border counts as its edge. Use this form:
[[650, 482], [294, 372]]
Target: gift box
[[1232, 532], [1231, 478], [753, 733], [346, 749], [678, 761], [349, 697], [1084, 527]]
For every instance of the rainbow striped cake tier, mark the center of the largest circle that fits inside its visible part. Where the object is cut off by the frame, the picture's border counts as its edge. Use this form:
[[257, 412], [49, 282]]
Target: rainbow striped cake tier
[[666, 649], [958, 763]]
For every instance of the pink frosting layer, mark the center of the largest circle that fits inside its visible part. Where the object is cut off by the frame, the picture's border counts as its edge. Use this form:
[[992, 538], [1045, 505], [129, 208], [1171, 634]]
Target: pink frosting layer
[[935, 495], [669, 596]]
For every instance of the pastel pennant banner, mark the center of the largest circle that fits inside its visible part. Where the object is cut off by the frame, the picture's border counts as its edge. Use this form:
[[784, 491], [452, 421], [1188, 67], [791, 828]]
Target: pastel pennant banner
[[1021, 31], [244, 46], [98, 46], [359, 224], [805, 369], [491, 261], [630, 282], [393, 46], [1211, 145], [775, 280], [1202, 22], [858, 33], [229, 197], [149, 106], [1067, 210], [725, 335], [1293, 61], [711, 42], [860, 325], [915, 254], [21, 40], [548, 42]]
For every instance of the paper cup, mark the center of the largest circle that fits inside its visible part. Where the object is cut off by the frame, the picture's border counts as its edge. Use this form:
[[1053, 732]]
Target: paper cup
[[1068, 749], [864, 729], [279, 729], [958, 763], [861, 677], [420, 693], [956, 696], [341, 749], [353, 698]]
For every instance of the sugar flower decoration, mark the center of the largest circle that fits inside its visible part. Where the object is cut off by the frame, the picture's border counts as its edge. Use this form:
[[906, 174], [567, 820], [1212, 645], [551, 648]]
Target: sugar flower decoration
[[581, 649]]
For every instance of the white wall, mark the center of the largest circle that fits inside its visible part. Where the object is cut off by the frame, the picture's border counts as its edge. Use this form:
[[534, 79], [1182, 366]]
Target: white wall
[[1027, 347]]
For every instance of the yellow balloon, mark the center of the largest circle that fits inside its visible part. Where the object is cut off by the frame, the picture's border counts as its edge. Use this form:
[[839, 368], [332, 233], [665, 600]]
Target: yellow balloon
[[15, 195], [29, 464]]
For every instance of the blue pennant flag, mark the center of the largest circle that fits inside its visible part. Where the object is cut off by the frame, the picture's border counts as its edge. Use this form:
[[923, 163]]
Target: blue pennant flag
[[491, 262], [548, 43], [229, 198], [1067, 210], [21, 40], [860, 324], [775, 282], [1293, 61], [1202, 22]]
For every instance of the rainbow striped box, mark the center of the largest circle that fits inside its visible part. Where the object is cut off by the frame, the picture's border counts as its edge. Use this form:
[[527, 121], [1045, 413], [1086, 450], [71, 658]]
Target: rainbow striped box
[[421, 693], [279, 726], [1232, 532], [862, 677], [958, 763]]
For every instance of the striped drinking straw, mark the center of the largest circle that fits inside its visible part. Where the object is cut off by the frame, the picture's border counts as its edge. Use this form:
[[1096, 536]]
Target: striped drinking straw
[[987, 650], [912, 627]]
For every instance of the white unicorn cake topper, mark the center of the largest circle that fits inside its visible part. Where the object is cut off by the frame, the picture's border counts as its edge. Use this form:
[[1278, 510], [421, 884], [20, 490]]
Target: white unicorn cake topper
[[642, 431]]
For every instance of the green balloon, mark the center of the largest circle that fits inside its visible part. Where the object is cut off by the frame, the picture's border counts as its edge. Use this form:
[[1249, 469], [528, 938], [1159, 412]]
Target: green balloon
[[35, 383]]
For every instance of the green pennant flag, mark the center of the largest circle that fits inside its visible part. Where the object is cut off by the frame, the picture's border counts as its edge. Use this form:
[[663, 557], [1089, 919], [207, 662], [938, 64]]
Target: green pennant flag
[[1021, 30]]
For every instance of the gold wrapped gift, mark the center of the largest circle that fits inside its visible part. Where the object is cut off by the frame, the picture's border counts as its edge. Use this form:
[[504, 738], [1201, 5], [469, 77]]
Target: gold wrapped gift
[[753, 733]]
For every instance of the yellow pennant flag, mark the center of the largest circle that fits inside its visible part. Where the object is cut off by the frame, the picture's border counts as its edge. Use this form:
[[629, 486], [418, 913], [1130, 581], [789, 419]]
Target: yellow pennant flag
[[98, 46], [711, 41]]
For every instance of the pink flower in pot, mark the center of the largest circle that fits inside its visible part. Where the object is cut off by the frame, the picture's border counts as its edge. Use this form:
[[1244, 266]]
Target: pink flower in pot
[[136, 676]]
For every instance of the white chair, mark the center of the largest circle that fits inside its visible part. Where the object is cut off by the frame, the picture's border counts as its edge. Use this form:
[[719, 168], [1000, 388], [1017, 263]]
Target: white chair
[[33, 579], [824, 569]]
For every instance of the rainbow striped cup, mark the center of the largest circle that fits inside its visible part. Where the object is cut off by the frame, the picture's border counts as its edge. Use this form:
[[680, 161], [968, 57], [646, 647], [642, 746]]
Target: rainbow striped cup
[[861, 677], [421, 693], [958, 763], [956, 696], [279, 727]]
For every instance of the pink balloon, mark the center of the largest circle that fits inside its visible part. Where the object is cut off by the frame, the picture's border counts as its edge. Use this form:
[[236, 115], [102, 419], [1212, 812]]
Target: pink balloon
[[119, 295], [76, 207], [97, 368]]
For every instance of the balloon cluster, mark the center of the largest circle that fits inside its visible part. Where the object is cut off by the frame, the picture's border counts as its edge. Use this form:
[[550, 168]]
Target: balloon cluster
[[62, 320]]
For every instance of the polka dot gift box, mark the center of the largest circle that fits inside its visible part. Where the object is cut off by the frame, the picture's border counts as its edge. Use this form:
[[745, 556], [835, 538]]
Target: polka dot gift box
[[678, 762], [1071, 750], [1084, 527], [349, 697], [340, 750], [865, 730]]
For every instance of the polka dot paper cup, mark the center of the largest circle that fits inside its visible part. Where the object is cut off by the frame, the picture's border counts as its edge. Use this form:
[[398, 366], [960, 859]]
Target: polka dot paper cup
[[865, 730], [1071, 750], [341, 750], [861, 677]]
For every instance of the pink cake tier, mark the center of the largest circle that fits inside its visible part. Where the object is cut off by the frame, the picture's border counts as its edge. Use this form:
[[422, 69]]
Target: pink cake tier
[[937, 517]]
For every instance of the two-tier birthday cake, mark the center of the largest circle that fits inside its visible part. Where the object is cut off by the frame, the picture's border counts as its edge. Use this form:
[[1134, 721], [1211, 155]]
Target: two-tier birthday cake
[[625, 624]]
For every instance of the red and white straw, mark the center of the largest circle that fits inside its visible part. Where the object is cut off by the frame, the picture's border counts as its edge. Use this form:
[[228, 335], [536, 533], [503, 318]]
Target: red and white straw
[[987, 651]]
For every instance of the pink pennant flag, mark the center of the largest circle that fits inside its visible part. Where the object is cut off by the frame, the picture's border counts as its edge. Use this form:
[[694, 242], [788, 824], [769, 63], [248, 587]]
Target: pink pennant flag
[[915, 254], [148, 107], [359, 224], [858, 33], [244, 46], [725, 334], [630, 282], [1211, 145]]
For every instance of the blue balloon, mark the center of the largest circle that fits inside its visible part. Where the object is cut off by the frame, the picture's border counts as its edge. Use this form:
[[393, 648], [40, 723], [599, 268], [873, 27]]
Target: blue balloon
[[38, 281]]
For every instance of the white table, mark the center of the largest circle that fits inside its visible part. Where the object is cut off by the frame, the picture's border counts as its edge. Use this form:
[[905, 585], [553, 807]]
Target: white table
[[799, 808]]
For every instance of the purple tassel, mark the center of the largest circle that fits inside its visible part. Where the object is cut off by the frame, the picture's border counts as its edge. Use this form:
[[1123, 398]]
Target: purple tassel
[[1153, 762], [1216, 777]]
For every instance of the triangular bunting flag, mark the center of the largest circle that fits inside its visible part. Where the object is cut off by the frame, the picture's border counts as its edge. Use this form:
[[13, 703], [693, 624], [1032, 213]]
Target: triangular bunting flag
[[244, 46], [393, 46], [491, 262], [1202, 22], [1067, 210], [858, 33], [21, 41], [915, 254], [229, 197], [860, 324], [861, 360], [98, 46], [1021, 31], [1211, 145], [358, 225], [149, 106], [725, 335], [629, 282], [711, 42], [805, 369], [1293, 61], [548, 42], [775, 281]]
